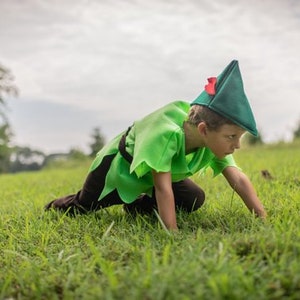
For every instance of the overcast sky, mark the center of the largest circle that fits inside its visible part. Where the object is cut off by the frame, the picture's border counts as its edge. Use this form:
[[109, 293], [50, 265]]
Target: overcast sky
[[87, 63]]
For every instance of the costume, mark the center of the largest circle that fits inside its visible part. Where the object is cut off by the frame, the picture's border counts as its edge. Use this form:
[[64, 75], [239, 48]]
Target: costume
[[155, 142]]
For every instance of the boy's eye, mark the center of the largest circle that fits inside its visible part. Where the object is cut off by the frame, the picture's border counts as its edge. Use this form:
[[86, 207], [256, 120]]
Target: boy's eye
[[231, 137]]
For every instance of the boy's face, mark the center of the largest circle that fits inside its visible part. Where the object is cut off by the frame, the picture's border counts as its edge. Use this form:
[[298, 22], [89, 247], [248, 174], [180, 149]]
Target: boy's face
[[225, 140]]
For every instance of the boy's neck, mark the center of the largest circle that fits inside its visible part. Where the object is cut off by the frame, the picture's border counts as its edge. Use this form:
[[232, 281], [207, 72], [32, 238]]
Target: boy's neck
[[193, 139]]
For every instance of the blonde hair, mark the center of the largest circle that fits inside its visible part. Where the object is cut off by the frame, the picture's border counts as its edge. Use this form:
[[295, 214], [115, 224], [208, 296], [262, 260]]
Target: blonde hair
[[213, 120]]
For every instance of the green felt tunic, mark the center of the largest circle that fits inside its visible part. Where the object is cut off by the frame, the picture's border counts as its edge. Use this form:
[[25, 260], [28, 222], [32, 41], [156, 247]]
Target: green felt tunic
[[156, 142]]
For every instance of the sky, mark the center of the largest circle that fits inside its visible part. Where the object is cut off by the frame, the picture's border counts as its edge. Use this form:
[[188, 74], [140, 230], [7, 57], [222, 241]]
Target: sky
[[85, 64]]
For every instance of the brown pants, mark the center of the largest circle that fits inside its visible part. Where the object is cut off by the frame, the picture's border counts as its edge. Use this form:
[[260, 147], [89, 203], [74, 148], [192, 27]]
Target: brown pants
[[188, 196]]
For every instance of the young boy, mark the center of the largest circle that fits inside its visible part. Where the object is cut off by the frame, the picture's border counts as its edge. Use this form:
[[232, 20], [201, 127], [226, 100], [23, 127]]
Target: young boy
[[148, 166]]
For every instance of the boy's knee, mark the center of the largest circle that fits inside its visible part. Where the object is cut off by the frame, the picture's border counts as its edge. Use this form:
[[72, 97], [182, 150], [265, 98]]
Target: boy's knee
[[198, 200], [194, 201]]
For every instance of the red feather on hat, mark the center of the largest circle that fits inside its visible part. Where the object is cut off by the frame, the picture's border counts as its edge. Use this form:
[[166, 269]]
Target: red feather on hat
[[210, 88]]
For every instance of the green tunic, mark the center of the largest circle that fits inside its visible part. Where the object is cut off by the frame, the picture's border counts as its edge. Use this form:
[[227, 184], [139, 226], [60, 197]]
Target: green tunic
[[155, 142]]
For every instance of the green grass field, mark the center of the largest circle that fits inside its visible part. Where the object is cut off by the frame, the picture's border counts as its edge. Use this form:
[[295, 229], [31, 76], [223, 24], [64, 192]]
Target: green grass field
[[221, 251]]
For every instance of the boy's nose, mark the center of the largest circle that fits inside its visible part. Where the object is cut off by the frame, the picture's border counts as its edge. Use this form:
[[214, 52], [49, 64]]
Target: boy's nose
[[238, 144]]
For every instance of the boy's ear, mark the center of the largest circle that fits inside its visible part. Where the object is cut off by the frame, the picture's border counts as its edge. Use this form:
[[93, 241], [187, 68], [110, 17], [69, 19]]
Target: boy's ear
[[202, 128]]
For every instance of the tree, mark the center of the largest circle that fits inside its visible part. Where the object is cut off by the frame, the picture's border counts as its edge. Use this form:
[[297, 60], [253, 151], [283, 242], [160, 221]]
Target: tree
[[76, 154], [7, 88], [5, 151], [252, 140], [297, 131], [98, 141], [26, 159]]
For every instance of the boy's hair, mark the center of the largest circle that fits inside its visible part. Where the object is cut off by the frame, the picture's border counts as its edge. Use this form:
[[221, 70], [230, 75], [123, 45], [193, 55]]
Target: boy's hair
[[214, 121]]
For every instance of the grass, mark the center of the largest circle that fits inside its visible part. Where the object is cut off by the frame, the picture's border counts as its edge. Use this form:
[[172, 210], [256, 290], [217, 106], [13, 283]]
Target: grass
[[221, 251]]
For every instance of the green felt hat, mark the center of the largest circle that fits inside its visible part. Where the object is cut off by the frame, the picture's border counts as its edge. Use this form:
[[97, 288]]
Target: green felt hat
[[225, 95]]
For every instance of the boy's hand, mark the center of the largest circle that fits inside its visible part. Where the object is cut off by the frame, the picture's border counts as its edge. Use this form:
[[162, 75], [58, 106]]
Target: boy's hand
[[243, 186]]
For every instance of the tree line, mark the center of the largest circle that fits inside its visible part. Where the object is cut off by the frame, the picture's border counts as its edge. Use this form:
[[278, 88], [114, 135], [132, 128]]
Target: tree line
[[19, 158], [28, 159]]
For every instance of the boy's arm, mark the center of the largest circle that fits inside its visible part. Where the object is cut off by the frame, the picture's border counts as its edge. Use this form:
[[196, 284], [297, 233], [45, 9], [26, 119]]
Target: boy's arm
[[165, 198], [243, 186]]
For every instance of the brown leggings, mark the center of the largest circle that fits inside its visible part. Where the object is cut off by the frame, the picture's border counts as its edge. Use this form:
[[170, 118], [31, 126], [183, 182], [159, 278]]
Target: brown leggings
[[188, 196]]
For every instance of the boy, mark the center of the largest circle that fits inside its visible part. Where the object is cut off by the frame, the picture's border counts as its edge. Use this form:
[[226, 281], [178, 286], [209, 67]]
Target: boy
[[148, 166]]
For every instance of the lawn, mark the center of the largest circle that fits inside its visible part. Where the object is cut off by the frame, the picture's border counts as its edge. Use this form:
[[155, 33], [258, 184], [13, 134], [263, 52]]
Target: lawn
[[220, 252]]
